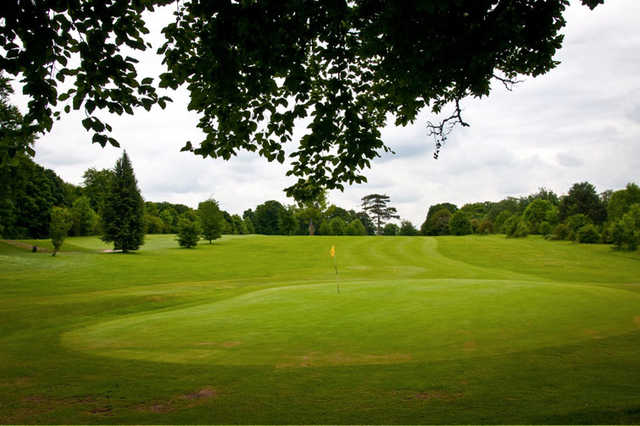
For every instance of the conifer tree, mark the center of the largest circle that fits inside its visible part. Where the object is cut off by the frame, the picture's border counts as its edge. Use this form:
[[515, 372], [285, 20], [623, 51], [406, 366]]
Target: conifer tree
[[123, 212], [376, 205]]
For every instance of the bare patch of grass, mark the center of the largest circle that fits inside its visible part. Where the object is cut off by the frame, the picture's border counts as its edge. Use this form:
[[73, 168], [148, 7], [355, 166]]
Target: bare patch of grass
[[179, 402], [439, 396]]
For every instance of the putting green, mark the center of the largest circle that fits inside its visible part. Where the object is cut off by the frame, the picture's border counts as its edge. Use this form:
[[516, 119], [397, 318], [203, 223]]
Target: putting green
[[377, 322]]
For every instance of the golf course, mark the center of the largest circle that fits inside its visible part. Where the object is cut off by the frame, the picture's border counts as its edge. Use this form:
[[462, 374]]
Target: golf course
[[260, 329]]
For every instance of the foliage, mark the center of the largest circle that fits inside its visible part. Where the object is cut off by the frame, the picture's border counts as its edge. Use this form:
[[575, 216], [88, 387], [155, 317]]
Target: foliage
[[583, 199], [13, 140], [84, 218], [560, 232], [48, 44], [189, 231], [438, 223], [625, 235], [626, 231], [287, 222], [307, 216], [588, 234], [324, 228], [267, 217], [367, 222], [27, 193], [501, 220], [536, 213], [510, 225], [337, 226], [123, 209], [545, 228], [574, 223], [377, 206], [355, 227], [249, 226], [407, 228], [620, 201], [553, 215], [96, 184], [390, 229], [347, 66], [61, 222], [460, 224], [239, 226], [485, 227], [522, 230], [210, 219], [153, 224]]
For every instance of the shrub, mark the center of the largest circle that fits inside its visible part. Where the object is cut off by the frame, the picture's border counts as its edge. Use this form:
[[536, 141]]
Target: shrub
[[510, 225], [501, 219], [407, 228], [576, 222], [188, 233], [324, 229], [560, 232], [356, 227], [390, 229], [625, 234], [460, 224], [588, 234], [485, 227], [536, 212], [438, 224], [336, 226], [522, 230], [545, 228], [606, 236]]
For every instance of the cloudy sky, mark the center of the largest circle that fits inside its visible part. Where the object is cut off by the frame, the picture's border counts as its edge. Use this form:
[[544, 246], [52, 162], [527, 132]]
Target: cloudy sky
[[579, 122]]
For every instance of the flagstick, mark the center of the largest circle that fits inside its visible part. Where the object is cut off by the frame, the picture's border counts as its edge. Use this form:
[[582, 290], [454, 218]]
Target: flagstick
[[335, 265]]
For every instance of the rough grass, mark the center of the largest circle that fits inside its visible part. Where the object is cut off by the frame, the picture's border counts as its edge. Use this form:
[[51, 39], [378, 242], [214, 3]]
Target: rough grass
[[252, 330]]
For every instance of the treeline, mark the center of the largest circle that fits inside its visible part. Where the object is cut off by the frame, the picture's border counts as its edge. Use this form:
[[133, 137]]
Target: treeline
[[29, 192], [583, 215]]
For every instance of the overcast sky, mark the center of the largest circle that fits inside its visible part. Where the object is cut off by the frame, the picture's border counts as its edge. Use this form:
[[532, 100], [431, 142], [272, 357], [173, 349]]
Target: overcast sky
[[579, 122]]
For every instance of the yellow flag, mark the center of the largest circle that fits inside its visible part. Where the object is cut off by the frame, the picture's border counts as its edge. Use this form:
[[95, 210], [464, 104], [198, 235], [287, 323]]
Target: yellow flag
[[332, 252]]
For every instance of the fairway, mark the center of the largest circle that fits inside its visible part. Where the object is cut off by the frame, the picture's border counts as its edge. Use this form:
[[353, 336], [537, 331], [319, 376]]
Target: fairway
[[252, 329]]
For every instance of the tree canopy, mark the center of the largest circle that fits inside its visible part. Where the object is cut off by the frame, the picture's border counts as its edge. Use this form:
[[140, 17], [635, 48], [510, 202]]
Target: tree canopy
[[210, 220], [255, 68]]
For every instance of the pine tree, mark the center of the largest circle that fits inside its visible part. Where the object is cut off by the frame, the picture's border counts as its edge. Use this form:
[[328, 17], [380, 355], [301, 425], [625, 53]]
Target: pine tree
[[376, 205], [188, 232], [123, 212]]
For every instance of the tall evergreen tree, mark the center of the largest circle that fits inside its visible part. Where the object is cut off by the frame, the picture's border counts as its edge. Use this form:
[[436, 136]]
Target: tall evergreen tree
[[376, 205], [123, 210]]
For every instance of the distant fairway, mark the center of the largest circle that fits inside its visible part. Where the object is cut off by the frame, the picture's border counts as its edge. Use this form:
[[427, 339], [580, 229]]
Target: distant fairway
[[251, 329]]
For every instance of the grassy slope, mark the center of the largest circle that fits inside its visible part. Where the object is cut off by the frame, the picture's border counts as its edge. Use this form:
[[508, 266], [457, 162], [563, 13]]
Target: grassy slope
[[51, 375]]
